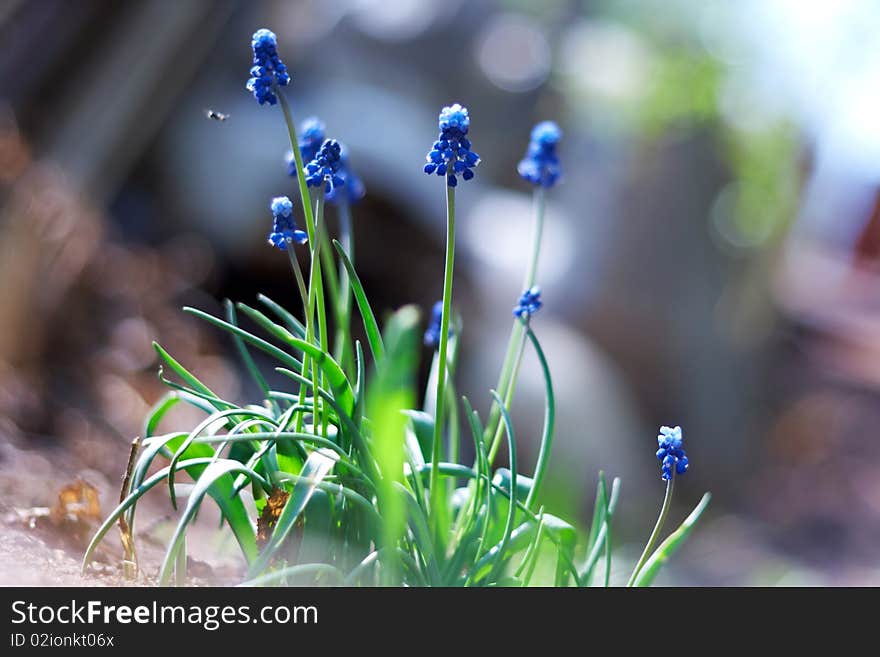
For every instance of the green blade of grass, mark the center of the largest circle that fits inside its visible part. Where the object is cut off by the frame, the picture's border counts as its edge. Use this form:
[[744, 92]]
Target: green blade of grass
[[272, 328], [204, 424], [558, 531], [511, 512], [668, 547], [278, 576], [316, 467], [419, 526], [243, 352], [609, 516], [360, 384], [208, 394], [596, 537], [549, 422], [216, 481], [374, 338], [339, 384], [259, 343], [602, 539], [132, 498], [293, 324], [531, 559], [391, 393]]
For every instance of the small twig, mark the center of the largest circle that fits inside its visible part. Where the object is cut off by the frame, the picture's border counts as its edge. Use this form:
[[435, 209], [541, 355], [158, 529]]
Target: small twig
[[129, 562]]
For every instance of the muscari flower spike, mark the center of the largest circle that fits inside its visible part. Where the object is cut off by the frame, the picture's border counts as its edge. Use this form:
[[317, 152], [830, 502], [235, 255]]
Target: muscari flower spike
[[284, 230], [541, 166], [353, 189], [451, 154], [671, 454], [529, 303], [432, 334], [311, 136], [325, 167], [268, 71]]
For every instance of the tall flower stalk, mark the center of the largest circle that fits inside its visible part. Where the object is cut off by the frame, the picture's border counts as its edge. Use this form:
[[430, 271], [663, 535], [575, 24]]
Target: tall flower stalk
[[542, 169], [450, 156], [344, 499], [673, 460]]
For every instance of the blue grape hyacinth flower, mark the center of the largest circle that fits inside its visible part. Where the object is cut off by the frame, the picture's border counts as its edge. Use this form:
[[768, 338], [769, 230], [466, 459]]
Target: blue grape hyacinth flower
[[541, 166], [671, 453], [268, 71], [284, 230], [325, 166], [432, 334], [353, 189], [311, 136], [451, 154], [529, 303]]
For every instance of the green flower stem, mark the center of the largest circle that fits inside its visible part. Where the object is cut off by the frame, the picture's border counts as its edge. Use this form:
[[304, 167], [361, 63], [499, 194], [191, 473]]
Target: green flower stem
[[537, 234], [511, 388], [300, 281], [300, 173], [664, 511], [343, 347], [442, 364], [316, 286], [305, 199], [510, 366], [328, 268]]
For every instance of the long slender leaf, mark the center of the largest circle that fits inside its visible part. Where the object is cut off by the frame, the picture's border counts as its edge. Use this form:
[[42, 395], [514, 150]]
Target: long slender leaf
[[374, 338], [339, 384], [132, 498], [668, 547], [259, 343], [549, 422], [216, 481], [182, 372], [511, 511], [243, 352], [279, 576], [204, 424], [316, 467], [293, 324]]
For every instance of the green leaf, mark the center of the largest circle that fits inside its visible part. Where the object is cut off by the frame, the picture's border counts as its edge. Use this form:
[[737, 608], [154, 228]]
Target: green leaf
[[259, 343], [281, 576], [133, 496], [602, 540], [339, 384], [243, 352], [609, 516], [316, 468], [668, 547], [293, 324], [511, 513], [207, 422], [189, 378], [272, 328], [391, 393], [423, 431], [216, 481], [150, 448], [549, 422], [374, 338]]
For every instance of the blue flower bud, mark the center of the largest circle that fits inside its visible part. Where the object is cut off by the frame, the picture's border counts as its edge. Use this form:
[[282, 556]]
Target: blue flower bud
[[284, 230], [541, 166], [268, 71], [529, 303], [451, 154], [671, 453]]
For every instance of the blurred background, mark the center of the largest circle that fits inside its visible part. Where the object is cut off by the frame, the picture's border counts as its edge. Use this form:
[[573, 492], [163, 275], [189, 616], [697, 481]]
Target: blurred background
[[711, 259]]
